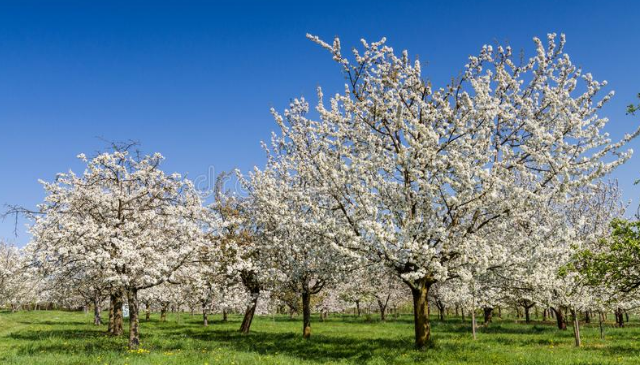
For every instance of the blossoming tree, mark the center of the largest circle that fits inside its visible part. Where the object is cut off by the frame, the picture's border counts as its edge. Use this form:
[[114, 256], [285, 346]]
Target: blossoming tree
[[415, 176], [123, 217]]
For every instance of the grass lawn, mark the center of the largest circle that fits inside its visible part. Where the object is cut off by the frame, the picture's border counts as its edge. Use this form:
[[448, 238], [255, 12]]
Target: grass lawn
[[55, 337]]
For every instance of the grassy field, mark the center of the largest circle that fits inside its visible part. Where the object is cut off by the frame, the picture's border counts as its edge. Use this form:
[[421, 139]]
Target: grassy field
[[54, 337]]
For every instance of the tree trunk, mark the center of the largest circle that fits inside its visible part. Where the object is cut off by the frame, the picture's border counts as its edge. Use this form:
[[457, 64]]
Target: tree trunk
[[600, 320], [306, 314], [205, 315], [251, 282], [488, 315], [115, 314], [527, 314], [562, 324], [134, 336], [250, 312], [619, 318], [383, 308], [587, 317], [544, 315], [576, 327], [358, 307], [112, 321], [148, 312], [626, 315], [462, 312], [163, 313], [500, 312], [473, 323], [97, 320], [421, 313]]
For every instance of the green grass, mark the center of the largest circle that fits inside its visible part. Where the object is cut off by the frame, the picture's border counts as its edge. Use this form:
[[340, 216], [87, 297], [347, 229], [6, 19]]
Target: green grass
[[55, 337]]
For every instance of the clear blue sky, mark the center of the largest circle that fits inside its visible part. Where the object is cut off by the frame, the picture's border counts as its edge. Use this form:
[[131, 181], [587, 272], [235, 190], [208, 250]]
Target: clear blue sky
[[195, 80]]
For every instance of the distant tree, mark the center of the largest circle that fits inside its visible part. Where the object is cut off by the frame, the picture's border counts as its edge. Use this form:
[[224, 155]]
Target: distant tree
[[10, 273], [617, 264]]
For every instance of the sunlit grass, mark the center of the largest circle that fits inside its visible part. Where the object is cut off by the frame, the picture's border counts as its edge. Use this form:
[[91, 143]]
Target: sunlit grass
[[54, 337]]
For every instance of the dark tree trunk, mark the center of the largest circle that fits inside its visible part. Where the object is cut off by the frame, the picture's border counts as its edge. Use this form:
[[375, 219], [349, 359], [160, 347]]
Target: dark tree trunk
[[134, 336], [462, 312], [225, 315], [383, 309], [619, 317], [587, 317], [527, 305], [112, 321], [148, 312], [205, 315], [488, 315], [441, 308], [245, 327], [358, 307], [306, 314], [163, 312], [97, 320], [115, 314], [562, 324], [422, 326], [544, 315], [250, 281]]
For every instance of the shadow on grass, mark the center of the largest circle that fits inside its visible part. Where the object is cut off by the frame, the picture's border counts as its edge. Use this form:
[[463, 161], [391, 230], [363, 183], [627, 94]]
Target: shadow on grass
[[615, 350], [493, 329], [82, 334], [53, 323], [319, 348], [190, 335], [88, 341]]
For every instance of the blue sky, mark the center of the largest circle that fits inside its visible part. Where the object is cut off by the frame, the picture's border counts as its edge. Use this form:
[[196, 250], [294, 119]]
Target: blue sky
[[195, 80]]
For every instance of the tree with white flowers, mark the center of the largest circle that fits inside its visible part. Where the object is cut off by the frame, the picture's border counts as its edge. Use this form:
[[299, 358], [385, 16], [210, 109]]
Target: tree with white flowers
[[298, 258], [417, 177], [238, 252], [589, 214], [124, 218], [12, 275]]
